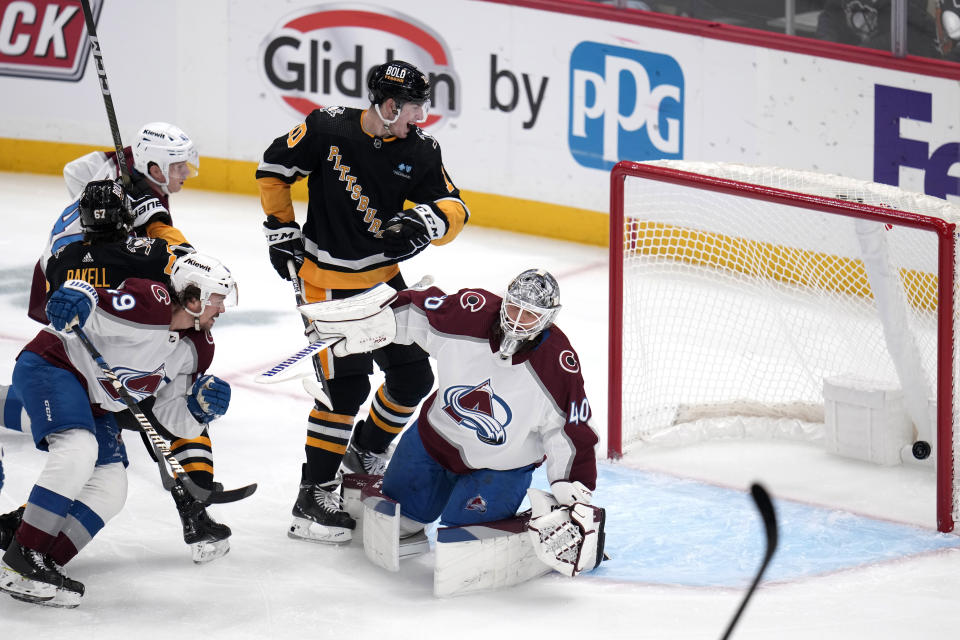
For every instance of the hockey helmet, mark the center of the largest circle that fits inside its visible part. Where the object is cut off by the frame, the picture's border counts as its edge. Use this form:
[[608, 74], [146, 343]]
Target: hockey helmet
[[398, 80], [950, 18], [530, 305], [163, 144], [103, 211], [206, 275]]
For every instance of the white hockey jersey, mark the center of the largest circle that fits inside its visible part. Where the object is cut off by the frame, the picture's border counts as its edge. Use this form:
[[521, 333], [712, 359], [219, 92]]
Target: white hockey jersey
[[488, 413], [131, 329]]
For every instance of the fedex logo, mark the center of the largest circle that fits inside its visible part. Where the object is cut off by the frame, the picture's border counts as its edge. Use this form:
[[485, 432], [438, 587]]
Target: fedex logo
[[44, 38], [893, 149], [624, 105]]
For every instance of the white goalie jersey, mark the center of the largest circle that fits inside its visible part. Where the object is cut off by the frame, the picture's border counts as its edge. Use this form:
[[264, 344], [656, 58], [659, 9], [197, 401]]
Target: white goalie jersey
[[490, 413]]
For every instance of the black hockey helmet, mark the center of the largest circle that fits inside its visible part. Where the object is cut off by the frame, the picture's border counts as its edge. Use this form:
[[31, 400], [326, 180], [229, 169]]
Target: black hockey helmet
[[398, 80], [103, 210]]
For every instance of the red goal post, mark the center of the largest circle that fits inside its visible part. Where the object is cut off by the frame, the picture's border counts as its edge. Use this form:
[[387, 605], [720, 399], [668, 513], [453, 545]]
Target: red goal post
[[738, 291]]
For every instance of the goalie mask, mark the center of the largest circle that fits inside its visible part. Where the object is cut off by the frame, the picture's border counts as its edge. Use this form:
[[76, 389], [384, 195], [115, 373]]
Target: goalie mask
[[104, 216], [403, 82], [201, 275], [164, 144], [529, 306]]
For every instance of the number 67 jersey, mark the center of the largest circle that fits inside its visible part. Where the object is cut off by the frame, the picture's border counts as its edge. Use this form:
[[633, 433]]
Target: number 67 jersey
[[490, 413]]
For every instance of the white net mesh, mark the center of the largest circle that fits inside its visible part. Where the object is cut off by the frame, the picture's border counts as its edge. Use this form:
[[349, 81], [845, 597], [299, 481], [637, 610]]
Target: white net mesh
[[736, 306]]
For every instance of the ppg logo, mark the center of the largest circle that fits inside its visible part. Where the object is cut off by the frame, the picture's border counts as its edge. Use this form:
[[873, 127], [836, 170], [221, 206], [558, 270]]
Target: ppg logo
[[624, 105]]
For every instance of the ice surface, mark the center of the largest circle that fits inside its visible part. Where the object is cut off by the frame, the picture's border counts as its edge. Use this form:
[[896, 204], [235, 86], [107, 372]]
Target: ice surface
[[859, 556]]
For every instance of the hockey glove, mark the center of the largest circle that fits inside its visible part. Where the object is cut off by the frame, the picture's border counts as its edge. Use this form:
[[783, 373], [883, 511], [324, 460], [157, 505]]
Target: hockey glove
[[209, 398], [568, 539], [71, 304], [286, 243], [145, 209], [410, 231]]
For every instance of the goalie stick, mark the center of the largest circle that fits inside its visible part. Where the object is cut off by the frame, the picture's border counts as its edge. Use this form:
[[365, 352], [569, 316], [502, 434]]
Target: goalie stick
[[160, 446], [284, 370], [765, 507], [105, 90], [319, 388]]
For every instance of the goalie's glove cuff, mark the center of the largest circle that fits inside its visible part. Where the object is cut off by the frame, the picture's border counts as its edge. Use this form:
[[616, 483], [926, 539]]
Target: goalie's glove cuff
[[567, 493], [410, 231], [285, 244]]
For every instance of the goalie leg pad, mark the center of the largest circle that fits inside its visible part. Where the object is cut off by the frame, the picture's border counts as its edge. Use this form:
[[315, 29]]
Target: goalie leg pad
[[381, 532], [484, 557]]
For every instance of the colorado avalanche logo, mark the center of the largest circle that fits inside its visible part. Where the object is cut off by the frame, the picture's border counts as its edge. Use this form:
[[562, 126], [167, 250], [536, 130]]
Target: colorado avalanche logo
[[476, 503], [139, 384], [480, 409]]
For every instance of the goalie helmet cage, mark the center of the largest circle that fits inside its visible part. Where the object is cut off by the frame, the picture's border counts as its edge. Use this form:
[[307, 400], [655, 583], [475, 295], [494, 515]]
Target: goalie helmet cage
[[738, 290]]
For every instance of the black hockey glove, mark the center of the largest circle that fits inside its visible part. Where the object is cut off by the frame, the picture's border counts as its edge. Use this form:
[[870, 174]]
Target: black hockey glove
[[286, 243], [410, 231]]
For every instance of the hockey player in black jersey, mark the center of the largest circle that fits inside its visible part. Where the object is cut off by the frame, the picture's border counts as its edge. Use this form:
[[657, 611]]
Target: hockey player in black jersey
[[361, 166], [106, 257]]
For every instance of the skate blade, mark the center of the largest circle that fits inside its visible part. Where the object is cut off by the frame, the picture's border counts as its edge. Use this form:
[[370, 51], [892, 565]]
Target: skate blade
[[209, 550], [62, 600], [15, 584], [303, 529]]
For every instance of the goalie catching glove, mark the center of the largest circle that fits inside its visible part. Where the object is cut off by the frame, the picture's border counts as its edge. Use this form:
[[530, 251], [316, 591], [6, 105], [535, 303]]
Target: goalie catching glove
[[410, 231], [364, 321], [567, 538]]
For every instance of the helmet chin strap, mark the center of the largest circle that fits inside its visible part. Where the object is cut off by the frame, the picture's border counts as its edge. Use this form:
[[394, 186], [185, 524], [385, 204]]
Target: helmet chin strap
[[196, 316], [162, 185], [386, 123]]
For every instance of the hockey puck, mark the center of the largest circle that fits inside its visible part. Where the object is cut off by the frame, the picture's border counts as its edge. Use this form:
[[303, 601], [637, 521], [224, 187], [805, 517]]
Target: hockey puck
[[921, 450]]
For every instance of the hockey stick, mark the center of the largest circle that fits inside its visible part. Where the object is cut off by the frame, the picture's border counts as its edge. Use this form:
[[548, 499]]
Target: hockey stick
[[105, 90], [156, 441], [765, 507], [319, 389], [284, 370]]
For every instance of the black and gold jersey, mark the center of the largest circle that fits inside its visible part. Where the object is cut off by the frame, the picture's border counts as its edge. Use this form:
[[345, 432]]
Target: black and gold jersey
[[355, 182], [107, 265]]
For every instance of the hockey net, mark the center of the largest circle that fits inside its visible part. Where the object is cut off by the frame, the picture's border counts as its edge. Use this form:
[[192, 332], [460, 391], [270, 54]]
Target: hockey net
[[737, 291]]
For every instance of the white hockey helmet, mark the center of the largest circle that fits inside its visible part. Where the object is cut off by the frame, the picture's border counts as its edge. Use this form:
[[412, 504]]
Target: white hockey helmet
[[208, 275], [530, 305], [163, 144]]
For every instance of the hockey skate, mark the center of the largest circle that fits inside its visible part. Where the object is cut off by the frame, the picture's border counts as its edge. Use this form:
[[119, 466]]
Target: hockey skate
[[208, 539], [30, 576], [358, 460], [318, 514], [9, 522]]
